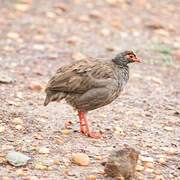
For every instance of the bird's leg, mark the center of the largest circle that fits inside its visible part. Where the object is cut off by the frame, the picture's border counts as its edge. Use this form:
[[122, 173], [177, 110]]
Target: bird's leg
[[81, 122], [87, 132]]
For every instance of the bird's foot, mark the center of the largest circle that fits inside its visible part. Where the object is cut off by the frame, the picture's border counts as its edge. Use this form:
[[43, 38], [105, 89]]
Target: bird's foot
[[94, 135]]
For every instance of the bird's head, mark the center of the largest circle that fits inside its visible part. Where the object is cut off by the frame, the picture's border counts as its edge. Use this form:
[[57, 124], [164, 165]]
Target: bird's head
[[125, 57]]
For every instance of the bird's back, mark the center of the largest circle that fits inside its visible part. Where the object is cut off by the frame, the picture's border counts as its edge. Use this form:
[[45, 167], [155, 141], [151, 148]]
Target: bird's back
[[88, 83]]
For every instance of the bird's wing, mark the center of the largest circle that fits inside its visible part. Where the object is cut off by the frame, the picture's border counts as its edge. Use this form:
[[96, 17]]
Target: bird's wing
[[80, 76]]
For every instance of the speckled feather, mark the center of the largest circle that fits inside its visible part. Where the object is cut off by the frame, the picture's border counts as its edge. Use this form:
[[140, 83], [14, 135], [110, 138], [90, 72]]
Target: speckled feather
[[87, 84]]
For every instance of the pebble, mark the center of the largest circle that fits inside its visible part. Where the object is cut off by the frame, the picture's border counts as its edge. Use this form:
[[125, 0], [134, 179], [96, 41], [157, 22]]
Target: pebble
[[91, 177], [43, 150], [35, 86], [39, 166], [149, 165], [12, 35], [78, 56], [17, 158], [80, 159], [22, 7], [161, 161], [170, 151], [18, 127], [59, 142], [169, 129], [105, 32], [5, 178], [65, 132], [38, 47], [146, 159], [139, 168], [2, 129], [17, 121], [95, 14], [83, 19], [149, 170], [20, 172], [5, 79]]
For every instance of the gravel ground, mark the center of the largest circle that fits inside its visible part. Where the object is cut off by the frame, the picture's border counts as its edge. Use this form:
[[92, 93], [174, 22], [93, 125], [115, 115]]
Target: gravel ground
[[38, 36]]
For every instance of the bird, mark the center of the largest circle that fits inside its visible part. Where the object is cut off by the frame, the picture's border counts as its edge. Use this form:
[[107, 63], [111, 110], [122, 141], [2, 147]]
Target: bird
[[90, 83]]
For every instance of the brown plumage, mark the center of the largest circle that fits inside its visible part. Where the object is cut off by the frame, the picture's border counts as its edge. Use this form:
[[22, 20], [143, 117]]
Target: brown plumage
[[90, 83]]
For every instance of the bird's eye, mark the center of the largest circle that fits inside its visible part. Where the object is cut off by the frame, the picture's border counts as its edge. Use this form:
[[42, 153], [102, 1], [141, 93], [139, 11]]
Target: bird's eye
[[131, 56]]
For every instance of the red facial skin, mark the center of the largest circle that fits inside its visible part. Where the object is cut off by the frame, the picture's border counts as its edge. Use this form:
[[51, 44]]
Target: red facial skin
[[133, 57]]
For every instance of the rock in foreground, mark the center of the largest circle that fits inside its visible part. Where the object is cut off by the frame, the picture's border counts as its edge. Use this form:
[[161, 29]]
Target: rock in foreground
[[80, 159], [122, 163], [17, 158]]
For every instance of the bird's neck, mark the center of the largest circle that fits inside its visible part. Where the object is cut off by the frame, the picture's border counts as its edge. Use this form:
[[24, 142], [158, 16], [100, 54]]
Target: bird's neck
[[122, 72]]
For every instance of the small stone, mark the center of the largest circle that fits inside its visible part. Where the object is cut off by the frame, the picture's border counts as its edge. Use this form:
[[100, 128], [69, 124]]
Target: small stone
[[17, 158], [35, 86], [18, 127], [49, 168], [139, 168], [78, 56], [39, 166], [80, 159], [5, 79], [22, 7], [149, 165], [5, 178], [170, 151], [95, 14], [56, 162], [12, 35], [146, 159], [38, 47], [61, 6], [83, 19], [177, 54], [105, 32], [33, 178], [122, 163], [50, 15], [91, 177], [72, 40], [17, 121], [6, 147], [39, 38], [149, 170], [59, 142], [162, 161], [2, 129], [2, 155], [155, 80], [20, 172], [43, 150], [97, 158], [112, 2], [116, 25], [38, 137], [65, 132], [167, 128]]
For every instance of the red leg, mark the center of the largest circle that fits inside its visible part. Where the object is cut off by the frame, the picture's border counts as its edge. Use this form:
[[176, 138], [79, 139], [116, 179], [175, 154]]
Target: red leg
[[82, 117], [81, 122]]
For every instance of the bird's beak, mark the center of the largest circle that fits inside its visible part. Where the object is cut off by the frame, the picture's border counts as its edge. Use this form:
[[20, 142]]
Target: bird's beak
[[137, 60]]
